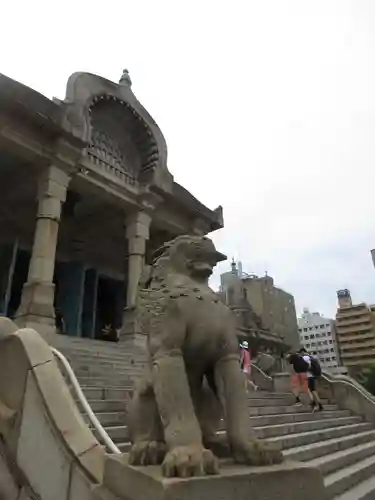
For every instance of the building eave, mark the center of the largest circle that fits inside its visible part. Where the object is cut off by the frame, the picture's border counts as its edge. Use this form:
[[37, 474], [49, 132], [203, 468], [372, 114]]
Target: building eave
[[32, 108], [183, 199]]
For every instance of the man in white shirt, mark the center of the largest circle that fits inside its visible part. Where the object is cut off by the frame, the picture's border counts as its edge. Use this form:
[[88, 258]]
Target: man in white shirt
[[316, 404]]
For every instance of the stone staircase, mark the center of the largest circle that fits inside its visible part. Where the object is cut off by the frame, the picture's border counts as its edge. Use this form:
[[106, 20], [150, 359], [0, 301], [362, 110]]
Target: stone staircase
[[339, 443]]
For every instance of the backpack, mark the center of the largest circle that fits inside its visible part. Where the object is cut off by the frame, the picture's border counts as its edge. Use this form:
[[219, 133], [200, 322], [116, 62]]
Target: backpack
[[315, 368], [299, 364]]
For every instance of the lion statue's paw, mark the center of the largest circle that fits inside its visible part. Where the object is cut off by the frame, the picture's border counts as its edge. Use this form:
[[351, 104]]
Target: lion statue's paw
[[258, 453], [189, 461], [147, 453]]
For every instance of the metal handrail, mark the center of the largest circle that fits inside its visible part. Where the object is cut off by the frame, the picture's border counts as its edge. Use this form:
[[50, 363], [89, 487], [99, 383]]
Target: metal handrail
[[87, 408], [253, 365]]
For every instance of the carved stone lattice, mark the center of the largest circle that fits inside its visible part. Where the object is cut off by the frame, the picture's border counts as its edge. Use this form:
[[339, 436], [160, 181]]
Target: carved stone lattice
[[121, 141]]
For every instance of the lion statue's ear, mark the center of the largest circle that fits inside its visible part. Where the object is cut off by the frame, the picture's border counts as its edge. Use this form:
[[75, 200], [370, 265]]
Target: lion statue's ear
[[160, 251], [146, 276]]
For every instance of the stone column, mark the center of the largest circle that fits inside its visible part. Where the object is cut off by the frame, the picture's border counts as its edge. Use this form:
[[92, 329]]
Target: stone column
[[137, 234], [37, 302]]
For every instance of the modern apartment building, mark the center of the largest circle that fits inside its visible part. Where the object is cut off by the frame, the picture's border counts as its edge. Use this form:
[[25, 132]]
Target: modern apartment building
[[355, 328], [318, 336]]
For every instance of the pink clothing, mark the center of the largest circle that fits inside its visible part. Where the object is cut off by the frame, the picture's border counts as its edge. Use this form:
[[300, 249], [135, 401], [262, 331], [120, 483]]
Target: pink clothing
[[246, 361]]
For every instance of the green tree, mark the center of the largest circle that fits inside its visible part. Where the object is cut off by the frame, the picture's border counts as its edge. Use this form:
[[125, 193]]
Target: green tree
[[367, 378]]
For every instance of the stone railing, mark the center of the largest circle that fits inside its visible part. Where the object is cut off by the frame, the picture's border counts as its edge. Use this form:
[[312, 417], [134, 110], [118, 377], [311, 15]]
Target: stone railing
[[47, 450], [261, 379], [348, 394]]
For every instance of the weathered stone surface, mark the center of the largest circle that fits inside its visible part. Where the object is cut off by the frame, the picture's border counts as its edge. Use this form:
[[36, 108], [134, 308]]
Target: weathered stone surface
[[194, 371], [288, 480], [9, 489], [39, 455]]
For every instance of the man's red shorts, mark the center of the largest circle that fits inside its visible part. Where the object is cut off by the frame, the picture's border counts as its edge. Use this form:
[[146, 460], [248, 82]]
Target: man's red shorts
[[299, 382]]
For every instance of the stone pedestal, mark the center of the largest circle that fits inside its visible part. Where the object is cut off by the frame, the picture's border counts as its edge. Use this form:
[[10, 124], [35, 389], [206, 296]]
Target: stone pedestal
[[292, 481], [36, 310], [131, 334]]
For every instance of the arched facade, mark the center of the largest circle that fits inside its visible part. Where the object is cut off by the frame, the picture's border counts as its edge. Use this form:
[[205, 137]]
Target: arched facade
[[86, 195]]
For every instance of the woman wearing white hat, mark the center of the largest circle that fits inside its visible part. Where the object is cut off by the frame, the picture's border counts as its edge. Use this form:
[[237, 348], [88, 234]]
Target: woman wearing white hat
[[246, 365]]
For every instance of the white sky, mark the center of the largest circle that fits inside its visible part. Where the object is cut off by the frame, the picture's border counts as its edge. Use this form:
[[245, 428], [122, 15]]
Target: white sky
[[267, 107]]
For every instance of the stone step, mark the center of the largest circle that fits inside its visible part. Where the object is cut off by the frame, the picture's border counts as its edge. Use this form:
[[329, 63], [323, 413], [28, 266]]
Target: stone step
[[114, 354], [108, 375], [112, 399], [365, 490], [287, 418], [313, 450], [108, 392], [313, 436], [106, 362], [92, 345], [106, 405], [118, 358], [268, 431], [275, 410], [256, 401], [269, 395], [343, 458], [109, 419], [124, 381], [342, 480], [119, 433]]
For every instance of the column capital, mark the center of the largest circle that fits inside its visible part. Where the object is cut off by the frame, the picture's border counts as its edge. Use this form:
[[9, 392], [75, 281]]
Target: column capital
[[138, 225], [52, 187], [53, 183]]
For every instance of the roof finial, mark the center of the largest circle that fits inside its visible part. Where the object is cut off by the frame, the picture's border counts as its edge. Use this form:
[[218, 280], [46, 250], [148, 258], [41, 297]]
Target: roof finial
[[125, 78]]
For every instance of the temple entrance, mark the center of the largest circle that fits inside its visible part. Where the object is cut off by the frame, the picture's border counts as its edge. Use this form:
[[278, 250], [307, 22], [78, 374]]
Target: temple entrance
[[110, 303], [19, 278]]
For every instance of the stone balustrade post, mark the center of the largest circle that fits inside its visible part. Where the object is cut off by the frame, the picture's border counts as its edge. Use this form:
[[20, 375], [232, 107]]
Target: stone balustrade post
[[37, 302]]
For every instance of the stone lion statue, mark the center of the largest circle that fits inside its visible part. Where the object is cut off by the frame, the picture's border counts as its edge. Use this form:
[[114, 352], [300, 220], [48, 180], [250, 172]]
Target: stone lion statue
[[193, 376]]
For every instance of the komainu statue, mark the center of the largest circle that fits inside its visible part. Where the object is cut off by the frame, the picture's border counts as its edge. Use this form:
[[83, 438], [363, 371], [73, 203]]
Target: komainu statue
[[193, 377]]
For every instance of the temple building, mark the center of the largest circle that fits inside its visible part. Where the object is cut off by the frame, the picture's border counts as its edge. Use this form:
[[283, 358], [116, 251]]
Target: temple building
[[86, 197]]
